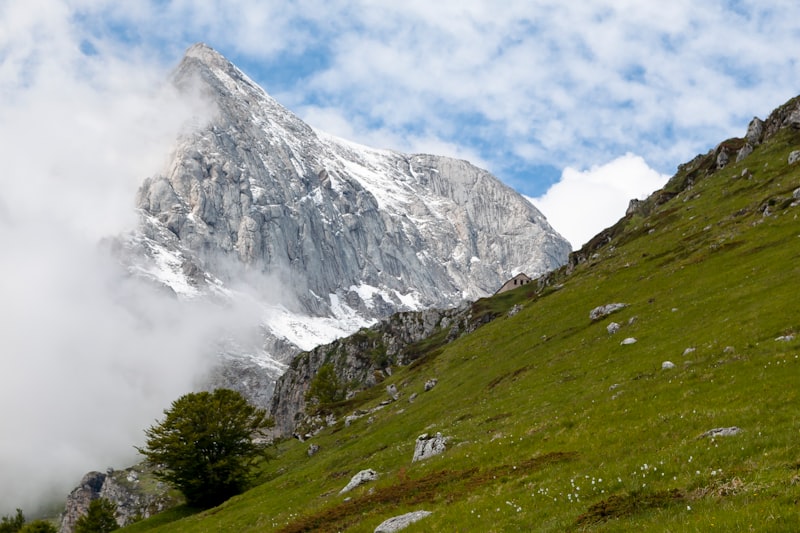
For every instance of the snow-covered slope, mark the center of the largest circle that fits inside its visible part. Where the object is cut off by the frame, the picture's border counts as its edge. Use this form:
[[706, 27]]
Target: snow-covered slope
[[322, 236]]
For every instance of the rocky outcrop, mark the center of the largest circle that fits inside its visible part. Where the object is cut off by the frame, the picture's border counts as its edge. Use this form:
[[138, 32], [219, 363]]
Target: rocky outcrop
[[427, 446], [124, 489], [365, 476], [364, 359], [398, 523]]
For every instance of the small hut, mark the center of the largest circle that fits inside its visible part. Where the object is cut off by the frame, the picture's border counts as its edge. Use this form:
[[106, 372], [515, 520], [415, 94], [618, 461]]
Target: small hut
[[513, 283]]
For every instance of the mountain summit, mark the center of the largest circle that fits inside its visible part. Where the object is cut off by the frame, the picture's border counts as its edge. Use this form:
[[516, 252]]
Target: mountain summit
[[344, 233]]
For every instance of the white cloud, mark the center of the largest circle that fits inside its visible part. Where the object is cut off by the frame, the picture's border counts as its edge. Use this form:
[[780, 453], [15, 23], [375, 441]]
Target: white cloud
[[583, 203], [89, 358]]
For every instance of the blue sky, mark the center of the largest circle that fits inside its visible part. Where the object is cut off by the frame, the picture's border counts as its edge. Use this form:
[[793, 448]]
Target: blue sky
[[527, 89]]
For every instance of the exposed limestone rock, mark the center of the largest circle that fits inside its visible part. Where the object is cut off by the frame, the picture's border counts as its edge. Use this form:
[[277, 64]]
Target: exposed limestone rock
[[721, 432], [398, 523], [604, 310], [363, 357], [744, 151], [362, 477], [391, 390], [794, 157], [689, 350], [722, 159], [628, 340], [313, 450], [785, 338], [612, 328], [755, 130], [667, 365], [431, 383], [121, 487], [427, 446]]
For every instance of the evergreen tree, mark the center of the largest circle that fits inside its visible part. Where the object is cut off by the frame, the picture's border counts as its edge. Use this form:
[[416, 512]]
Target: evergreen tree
[[12, 524], [39, 526], [204, 447], [99, 518]]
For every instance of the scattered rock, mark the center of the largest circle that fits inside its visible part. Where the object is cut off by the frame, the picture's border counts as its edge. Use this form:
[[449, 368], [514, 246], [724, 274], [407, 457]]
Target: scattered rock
[[744, 151], [629, 340], [794, 157], [754, 131], [667, 365], [729, 349], [632, 320], [604, 310], [614, 386], [785, 338], [427, 446], [514, 310], [721, 432], [312, 450], [412, 397], [349, 419], [391, 390], [431, 383], [401, 522], [365, 476], [689, 350], [796, 194], [612, 328]]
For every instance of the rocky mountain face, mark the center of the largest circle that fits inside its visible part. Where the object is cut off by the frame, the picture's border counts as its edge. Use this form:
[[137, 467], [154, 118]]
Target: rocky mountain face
[[128, 489], [334, 234]]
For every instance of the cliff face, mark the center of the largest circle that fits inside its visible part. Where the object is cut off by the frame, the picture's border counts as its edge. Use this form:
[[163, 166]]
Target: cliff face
[[135, 493], [327, 234]]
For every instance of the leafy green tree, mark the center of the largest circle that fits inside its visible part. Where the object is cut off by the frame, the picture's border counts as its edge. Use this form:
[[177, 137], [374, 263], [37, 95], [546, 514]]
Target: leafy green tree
[[39, 526], [325, 388], [12, 524], [99, 518], [204, 446]]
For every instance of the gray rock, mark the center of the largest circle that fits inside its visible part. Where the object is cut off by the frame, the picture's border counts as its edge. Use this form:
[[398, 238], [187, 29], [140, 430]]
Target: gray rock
[[689, 350], [667, 365], [431, 383], [796, 194], [743, 152], [794, 157], [722, 159], [721, 432], [412, 397], [313, 450], [604, 310], [391, 390], [365, 476], [628, 340], [427, 446], [514, 310], [612, 328], [398, 523], [755, 131], [785, 338]]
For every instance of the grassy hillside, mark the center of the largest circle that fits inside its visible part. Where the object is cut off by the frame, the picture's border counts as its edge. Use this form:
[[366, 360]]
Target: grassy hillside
[[555, 425]]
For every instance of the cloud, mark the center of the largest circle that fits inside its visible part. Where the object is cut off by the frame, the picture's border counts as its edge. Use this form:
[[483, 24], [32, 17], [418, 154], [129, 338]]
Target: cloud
[[88, 356], [583, 203]]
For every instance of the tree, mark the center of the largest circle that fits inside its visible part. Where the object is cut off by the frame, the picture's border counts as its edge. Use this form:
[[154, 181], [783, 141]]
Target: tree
[[99, 518], [39, 526], [325, 388], [12, 524], [204, 447]]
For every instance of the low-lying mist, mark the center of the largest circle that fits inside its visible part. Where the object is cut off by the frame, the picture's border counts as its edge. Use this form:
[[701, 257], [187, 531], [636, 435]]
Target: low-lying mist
[[89, 357]]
